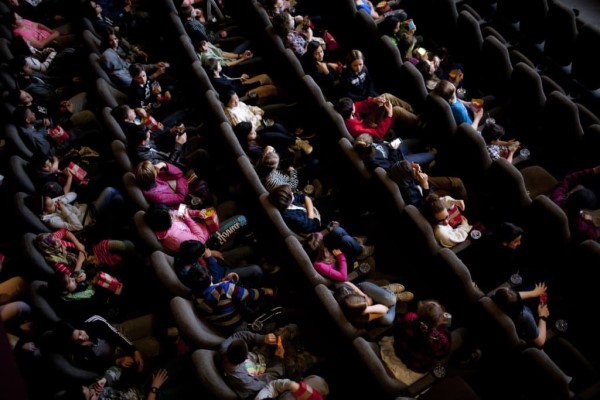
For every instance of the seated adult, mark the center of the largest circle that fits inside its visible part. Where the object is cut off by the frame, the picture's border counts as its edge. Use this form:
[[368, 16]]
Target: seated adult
[[325, 73], [297, 210], [161, 183], [148, 94], [366, 304], [118, 68], [37, 34], [248, 363], [436, 210], [294, 38], [255, 144], [231, 62], [415, 185], [378, 153], [513, 303]]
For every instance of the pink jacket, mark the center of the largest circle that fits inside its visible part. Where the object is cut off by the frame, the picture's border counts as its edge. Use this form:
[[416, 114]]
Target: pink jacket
[[162, 191], [182, 229]]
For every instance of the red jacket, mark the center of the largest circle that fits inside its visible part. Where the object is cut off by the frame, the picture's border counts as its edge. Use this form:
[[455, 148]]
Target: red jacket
[[356, 125]]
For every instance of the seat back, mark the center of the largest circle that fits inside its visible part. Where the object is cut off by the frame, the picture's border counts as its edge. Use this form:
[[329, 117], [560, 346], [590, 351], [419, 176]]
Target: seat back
[[164, 268], [561, 34], [195, 328], [18, 169], [211, 376]]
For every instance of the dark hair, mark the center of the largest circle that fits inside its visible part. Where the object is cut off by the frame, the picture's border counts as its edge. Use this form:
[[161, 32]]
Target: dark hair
[[433, 205], [445, 89], [281, 197], [344, 106], [491, 132], [314, 246], [237, 351], [19, 46], [136, 135], [135, 69], [241, 131], [35, 203], [402, 173], [189, 252], [582, 199], [10, 18], [186, 10], [281, 25], [18, 63], [354, 55], [20, 115], [120, 112], [507, 232], [363, 145], [508, 301], [14, 97], [210, 66], [425, 69], [227, 95], [108, 31], [354, 304], [406, 43], [196, 37], [311, 47], [198, 278], [158, 217], [387, 26]]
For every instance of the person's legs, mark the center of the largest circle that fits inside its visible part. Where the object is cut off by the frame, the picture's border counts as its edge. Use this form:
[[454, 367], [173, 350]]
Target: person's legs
[[250, 275], [11, 288], [379, 294], [449, 185], [106, 198], [412, 150], [16, 309], [140, 332]]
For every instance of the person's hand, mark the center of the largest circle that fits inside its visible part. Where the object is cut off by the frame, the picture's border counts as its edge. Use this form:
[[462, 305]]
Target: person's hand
[[125, 361], [159, 377], [332, 225], [261, 112], [223, 34], [540, 289], [141, 112], [98, 386], [336, 252], [460, 204], [479, 113], [246, 55], [160, 165], [46, 122], [388, 107], [59, 205], [280, 351], [181, 139], [586, 217], [217, 254], [138, 360], [80, 277], [79, 246], [464, 220], [244, 77], [270, 338], [232, 277], [423, 179], [268, 291], [155, 87], [167, 96], [543, 310], [163, 64]]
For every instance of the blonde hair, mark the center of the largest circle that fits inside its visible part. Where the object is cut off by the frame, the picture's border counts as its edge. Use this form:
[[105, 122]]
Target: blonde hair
[[145, 175], [363, 145]]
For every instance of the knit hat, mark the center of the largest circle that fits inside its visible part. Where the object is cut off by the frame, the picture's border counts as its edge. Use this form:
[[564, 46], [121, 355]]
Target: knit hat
[[317, 383], [237, 352]]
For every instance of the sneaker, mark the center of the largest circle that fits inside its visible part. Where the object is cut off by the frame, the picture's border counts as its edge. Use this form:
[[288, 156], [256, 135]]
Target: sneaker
[[360, 239], [303, 145], [405, 296], [366, 252], [395, 288]]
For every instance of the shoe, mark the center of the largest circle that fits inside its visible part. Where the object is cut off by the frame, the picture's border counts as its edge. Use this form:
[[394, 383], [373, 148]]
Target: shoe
[[172, 332], [366, 252], [360, 239], [395, 288], [303, 145], [405, 296]]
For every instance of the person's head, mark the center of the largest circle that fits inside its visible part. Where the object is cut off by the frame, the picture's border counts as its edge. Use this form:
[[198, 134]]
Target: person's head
[[508, 301], [355, 60], [426, 69], [52, 189], [430, 314], [580, 200], [145, 175], [245, 132], [67, 283], [492, 133], [315, 51], [123, 113], [363, 145], [273, 6], [281, 197], [282, 24], [212, 67], [354, 303], [138, 74], [406, 44], [70, 335], [230, 99], [158, 217], [110, 40], [20, 66], [35, 203], [189, 252], [138, 136], [48, 205], [510, 235], [345, 106], [23, 116], [314, 247], [237, 352], [41, 162], [389, 26], [436, 211], [269, 161], [404, 173], [186, 11], [446, 90], [20, 97], [93, 10], [19, 46]]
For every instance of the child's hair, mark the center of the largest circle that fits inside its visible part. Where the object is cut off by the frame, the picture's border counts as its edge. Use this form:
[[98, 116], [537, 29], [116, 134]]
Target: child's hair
[[145, 175], [312, 46], [344, 106], [120, 112], [406, 44], [492, 132], [582, 199], [137, 135], [198, 278], [445, 89], [387, 26], [314, 247], [189, 252], [281, 197], [210, 66], [354, 303], [354, 55], [158, 217], [363, 145], [135, 69], [241, 131], [429, 313], [433, 205], [507, 232], [508, 301], [227, 95]]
